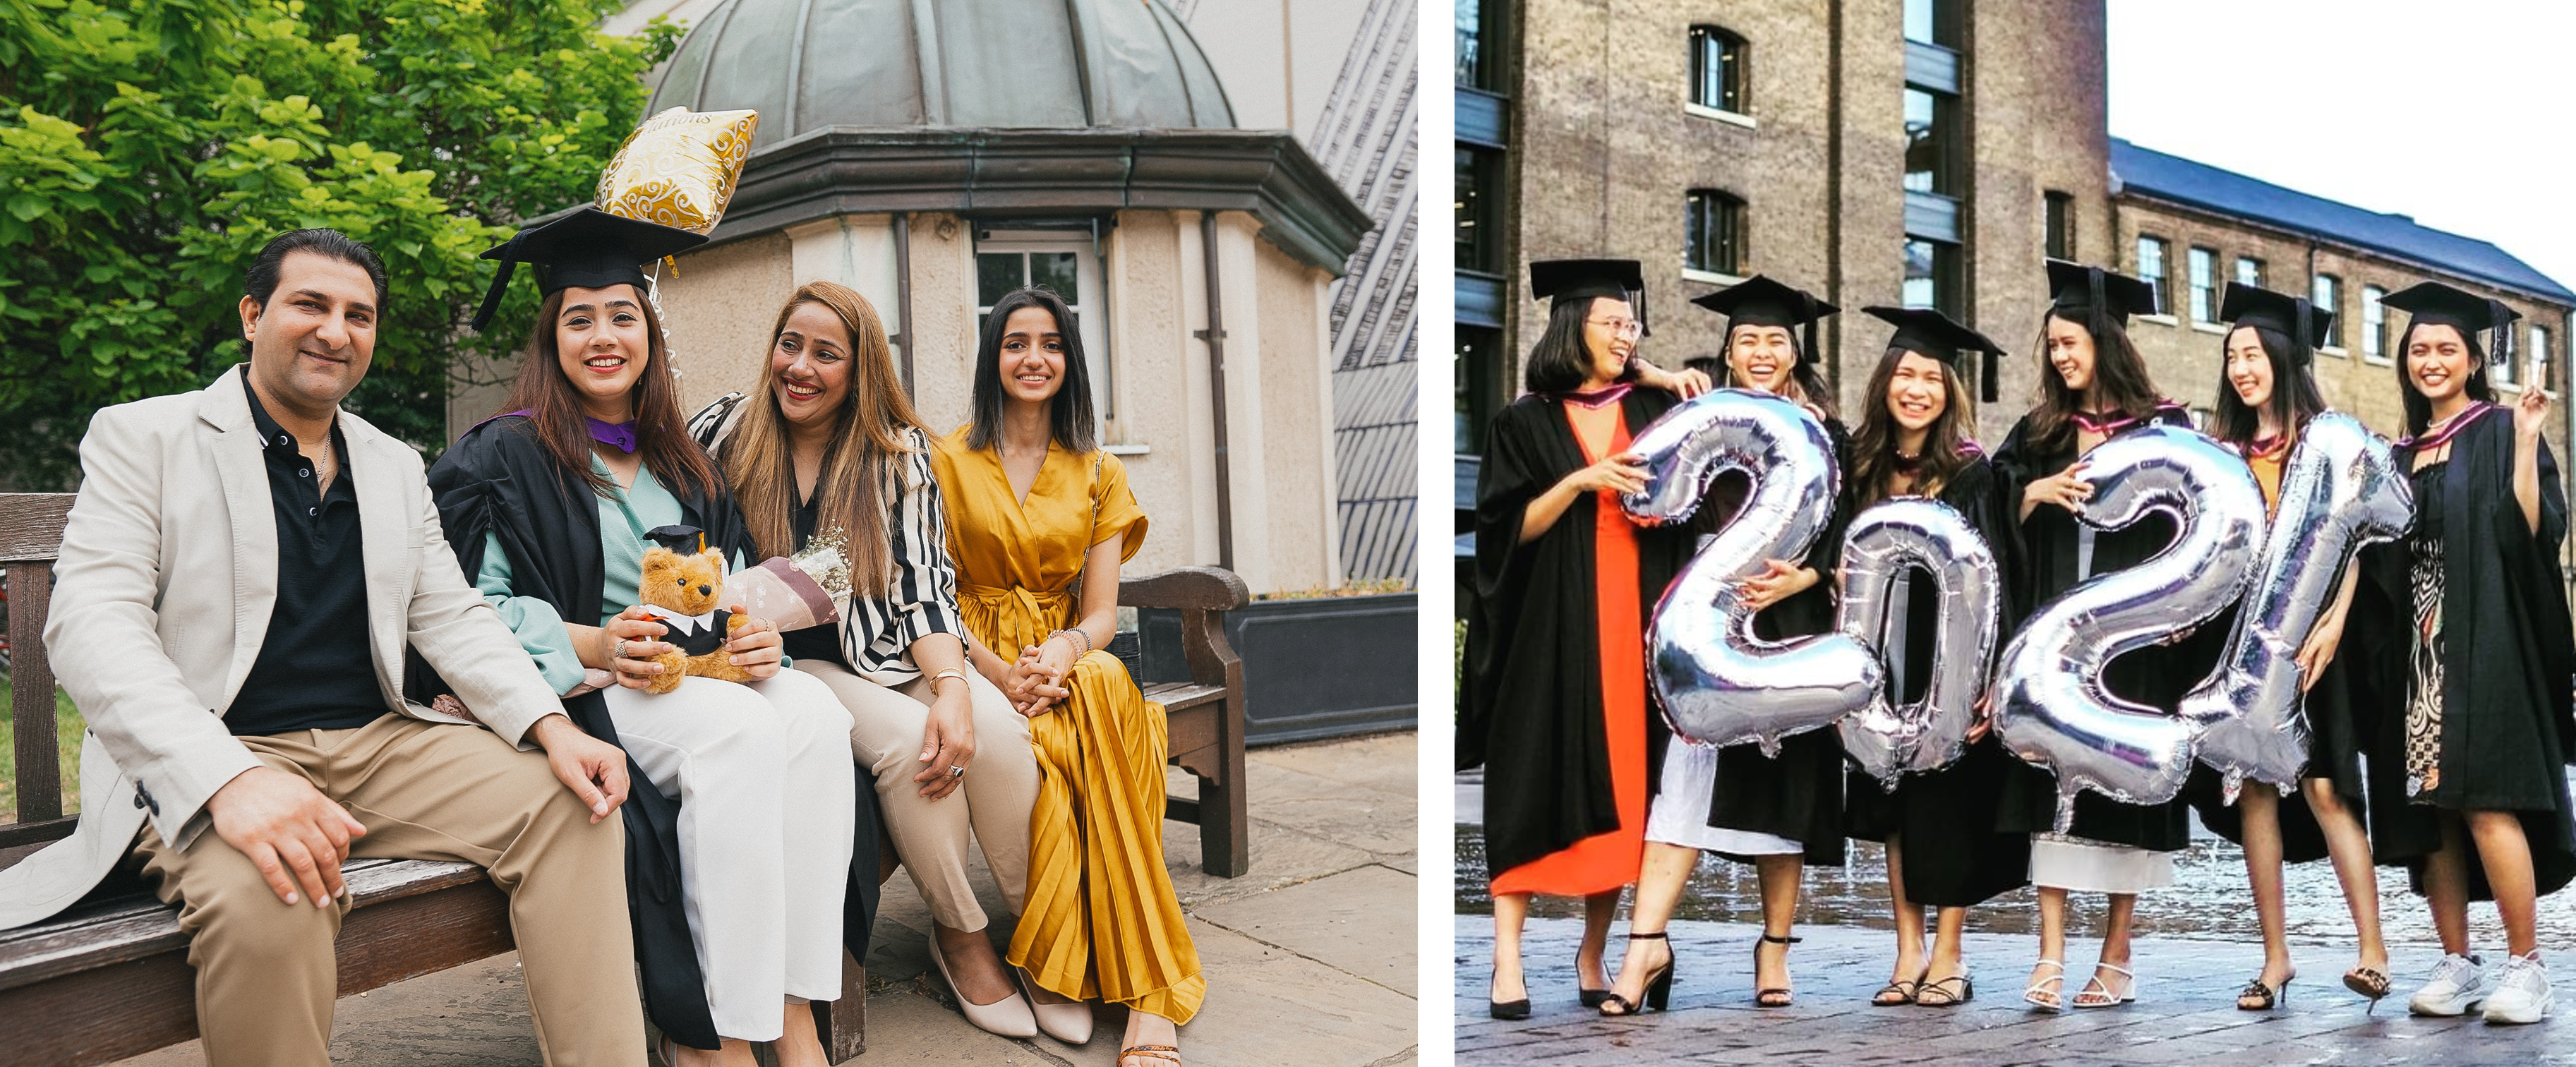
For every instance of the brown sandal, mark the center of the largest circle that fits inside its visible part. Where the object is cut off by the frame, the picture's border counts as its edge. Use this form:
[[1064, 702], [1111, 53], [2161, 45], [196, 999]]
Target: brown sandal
[[1151, 1052]]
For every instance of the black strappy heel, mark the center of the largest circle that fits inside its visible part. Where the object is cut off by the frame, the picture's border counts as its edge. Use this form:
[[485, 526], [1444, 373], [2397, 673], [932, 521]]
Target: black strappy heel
[[1763, 997], [2369, 982], [1659, 986], [2267, 997]]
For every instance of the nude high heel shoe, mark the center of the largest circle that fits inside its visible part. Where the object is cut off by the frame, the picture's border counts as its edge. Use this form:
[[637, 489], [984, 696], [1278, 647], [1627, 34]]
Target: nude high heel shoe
[[1009, 1016], [1069, 1023]]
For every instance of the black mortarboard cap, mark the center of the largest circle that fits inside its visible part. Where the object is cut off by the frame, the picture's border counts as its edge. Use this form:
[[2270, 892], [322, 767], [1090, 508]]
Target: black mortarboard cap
[[589, 248], [2436, 304], [1560, 280], [2097, 297], [1762, 301], [2305, 324], [1935, 336], [685, 540]]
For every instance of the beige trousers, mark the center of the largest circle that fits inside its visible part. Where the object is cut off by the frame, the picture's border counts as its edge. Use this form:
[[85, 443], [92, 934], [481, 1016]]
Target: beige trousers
[[265, 970], [930, 835]]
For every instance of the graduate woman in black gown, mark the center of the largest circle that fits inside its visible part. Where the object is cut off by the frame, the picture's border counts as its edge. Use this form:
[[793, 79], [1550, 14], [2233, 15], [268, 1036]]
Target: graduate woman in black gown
[[1557, 709], [1915, 439], [2470, 768], [2093, 387], [1777, 814], [2265, 398]]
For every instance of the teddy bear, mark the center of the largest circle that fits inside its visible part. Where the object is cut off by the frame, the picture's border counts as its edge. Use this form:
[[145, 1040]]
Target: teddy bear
[[680, 590]]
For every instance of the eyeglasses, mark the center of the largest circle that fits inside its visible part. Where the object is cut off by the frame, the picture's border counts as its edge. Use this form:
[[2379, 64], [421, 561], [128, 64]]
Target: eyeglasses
[[1626, 329]]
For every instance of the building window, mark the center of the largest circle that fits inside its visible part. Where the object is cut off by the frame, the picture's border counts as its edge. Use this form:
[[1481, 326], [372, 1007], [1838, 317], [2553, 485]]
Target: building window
[[1479, 387], [2540, 356], [2374, 324], [2327, 292], [1056, 261], [1476, 38], [1932, 275], [1713, 232], [2249, 271], [2203, 268], [1717, 69], [2059, 224], [1932, 22], [1479, 239], [2151, 266], [1931, 142]]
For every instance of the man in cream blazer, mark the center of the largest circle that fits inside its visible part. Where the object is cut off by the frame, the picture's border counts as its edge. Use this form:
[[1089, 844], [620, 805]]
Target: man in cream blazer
[[238, 580]]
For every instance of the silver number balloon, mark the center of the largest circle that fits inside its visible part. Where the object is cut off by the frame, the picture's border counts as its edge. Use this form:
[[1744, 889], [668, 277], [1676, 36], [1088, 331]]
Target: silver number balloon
[[1883, 543], [1719, 684], [2049, 703], [2342, 489]]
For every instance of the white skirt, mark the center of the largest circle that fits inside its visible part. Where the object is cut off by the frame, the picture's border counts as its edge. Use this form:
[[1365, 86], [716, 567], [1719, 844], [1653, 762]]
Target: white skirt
[[1678, 814], [2086, 866]]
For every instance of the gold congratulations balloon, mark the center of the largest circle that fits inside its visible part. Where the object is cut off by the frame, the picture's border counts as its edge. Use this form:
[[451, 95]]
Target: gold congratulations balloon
[[679, 168]]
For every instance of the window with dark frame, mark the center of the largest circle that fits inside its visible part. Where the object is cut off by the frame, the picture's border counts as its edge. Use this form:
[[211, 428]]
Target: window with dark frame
[[2151, 268], [1713, 232], [1932, 275], [2504, 373], [2059, 222], [2540, 357], [1932, 22], [2374, 323], [2326, 291], [1478, 388], [2201, 266], [1718, 62], [1478, 238], [1475, 37], [1931, 141], [2249, 271]]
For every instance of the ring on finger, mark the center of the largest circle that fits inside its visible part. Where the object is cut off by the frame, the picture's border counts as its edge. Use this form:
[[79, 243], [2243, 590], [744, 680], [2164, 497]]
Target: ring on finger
[[955, 771]]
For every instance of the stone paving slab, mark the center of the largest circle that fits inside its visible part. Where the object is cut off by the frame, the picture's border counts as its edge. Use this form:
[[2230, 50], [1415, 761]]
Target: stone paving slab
[[1340, 921], [2185, 1013]]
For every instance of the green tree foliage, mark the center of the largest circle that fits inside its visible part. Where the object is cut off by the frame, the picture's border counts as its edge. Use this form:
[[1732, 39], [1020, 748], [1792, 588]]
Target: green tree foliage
[[148, 148]]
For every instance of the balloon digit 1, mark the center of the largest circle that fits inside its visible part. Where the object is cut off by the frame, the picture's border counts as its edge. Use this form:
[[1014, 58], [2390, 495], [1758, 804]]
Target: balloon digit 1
[[2050, 706], [1882, 544], [1718, 683], [2342, 489]]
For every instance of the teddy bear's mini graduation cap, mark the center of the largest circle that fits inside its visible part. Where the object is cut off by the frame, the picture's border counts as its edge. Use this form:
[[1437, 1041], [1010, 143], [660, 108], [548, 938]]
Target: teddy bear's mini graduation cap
[[685, 540], [2305, 324], [1933, 335], [2436, 304], [589, 248], [1560, 281], [1762, 301]]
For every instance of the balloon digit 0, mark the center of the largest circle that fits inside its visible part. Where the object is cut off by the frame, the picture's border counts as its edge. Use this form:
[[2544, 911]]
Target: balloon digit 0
[[1881, 545]]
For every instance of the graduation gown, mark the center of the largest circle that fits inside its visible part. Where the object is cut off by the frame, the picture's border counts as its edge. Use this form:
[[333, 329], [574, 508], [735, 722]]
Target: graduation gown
[[1532, 715], [1954, 854], [499, 479], [2156, 676], [1798, 794], [2507, 655]]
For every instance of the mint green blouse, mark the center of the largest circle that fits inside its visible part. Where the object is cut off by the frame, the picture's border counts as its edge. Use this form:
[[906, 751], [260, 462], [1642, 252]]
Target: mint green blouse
[[624, 515]]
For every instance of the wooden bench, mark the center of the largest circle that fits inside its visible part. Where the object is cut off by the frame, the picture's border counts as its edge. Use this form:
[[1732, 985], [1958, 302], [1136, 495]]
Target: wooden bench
[[109, 977]]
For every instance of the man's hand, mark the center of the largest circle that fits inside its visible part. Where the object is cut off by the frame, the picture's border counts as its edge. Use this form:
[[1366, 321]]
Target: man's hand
[[593, 769], [295, 836]]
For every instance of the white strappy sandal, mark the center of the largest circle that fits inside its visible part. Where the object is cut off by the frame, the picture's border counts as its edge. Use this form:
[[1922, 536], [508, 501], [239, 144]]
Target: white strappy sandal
[[2048, 994], [2105, 999]]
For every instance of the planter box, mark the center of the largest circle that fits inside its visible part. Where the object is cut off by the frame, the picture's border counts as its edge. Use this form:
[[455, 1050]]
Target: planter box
[[1323, 667]]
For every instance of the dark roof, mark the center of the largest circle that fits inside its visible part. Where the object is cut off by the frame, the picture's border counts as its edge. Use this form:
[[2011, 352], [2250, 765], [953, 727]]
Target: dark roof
[[2226, 192]]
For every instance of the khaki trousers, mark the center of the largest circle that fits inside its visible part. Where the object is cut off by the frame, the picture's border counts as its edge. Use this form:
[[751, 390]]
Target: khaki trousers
[[265, 971], [930, 836]]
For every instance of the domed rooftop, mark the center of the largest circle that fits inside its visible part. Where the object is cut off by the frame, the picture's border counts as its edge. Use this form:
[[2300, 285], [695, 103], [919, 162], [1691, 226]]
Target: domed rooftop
[[1051, 64]]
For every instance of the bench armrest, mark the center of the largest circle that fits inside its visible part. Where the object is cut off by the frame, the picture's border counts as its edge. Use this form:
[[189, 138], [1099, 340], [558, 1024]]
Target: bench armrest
[[1205, 588]]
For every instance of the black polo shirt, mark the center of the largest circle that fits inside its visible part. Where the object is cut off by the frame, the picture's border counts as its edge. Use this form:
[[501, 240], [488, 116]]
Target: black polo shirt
[[314, 670]]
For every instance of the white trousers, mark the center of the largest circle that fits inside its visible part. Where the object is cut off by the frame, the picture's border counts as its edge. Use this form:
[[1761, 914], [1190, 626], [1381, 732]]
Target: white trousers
[[767, 795]]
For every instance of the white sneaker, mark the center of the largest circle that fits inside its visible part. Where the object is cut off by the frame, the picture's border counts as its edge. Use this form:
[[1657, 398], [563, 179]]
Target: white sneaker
[[2459, 984], [2521, 991]]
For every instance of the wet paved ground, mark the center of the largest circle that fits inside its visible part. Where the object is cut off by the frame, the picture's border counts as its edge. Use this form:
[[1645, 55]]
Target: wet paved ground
[[2185, 1013]]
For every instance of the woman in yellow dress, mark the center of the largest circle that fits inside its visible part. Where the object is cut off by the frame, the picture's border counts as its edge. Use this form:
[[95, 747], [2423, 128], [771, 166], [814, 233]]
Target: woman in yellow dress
[[1034, 504]]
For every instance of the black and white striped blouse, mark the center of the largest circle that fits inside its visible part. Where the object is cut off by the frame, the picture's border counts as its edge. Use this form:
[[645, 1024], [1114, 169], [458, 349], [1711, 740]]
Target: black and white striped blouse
[[877, 631]]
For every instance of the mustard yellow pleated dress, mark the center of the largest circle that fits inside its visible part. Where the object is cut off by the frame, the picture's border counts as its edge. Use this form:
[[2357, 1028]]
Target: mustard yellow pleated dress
[[1101, 918]]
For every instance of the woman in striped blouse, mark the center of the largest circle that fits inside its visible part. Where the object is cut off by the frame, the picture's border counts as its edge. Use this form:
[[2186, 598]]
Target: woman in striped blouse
[[828, 440]]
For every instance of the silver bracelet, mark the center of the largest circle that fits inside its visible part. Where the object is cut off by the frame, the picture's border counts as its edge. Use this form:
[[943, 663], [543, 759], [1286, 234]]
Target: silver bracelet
[[950, 673], [1086, 641]]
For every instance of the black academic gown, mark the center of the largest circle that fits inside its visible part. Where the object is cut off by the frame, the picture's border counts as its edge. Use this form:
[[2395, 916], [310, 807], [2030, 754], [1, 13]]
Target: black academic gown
[[2507, 655], [499, 479], [1533, 716], [2156, 676], [1798, 794], [1954, 855]]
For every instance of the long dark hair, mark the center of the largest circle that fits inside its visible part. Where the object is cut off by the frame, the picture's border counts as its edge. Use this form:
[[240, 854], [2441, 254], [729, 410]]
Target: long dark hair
[[1874, 443], [1069, 414], [2119, 376], [1803, 375], [2294, 401], [1559, 362], [2419, 411], [554, 410]]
